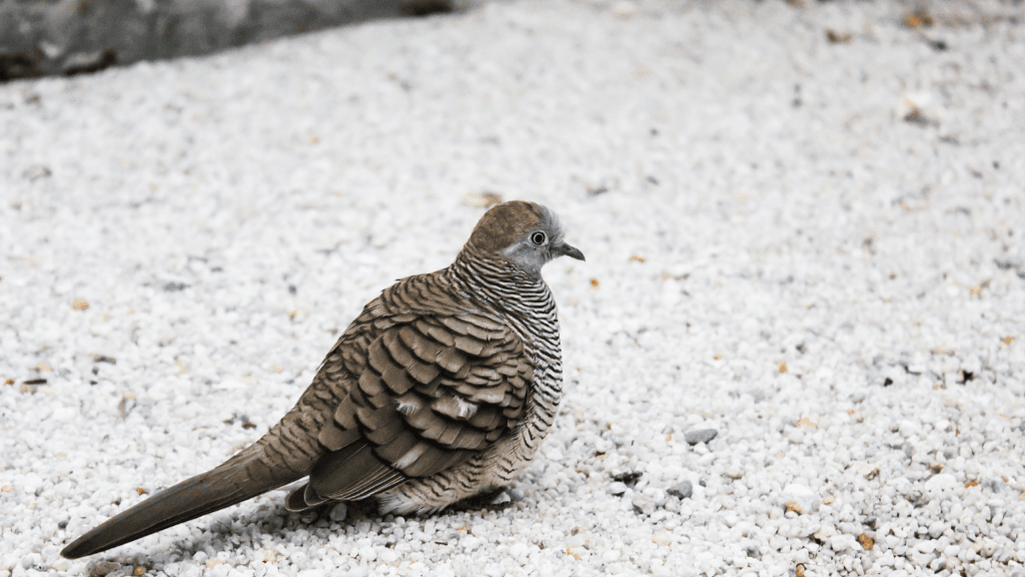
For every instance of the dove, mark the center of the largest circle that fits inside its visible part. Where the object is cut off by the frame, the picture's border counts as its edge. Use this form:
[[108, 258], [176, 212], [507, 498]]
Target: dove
[[441, 389]]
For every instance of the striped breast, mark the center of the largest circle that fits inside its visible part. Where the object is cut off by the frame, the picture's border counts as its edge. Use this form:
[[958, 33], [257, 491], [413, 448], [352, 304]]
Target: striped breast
[[526, 306]]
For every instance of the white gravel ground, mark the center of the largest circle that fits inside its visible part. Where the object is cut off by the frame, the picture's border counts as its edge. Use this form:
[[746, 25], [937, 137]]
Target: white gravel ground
[[813, 248]]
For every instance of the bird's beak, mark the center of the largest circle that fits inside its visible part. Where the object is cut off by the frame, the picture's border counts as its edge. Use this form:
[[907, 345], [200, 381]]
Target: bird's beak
[[571, 252]]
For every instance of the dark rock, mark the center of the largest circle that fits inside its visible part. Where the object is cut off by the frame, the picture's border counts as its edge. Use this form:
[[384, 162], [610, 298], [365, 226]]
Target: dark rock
[[422, 8], [629, 478], [45, 37], [24, 64], [90, 63]]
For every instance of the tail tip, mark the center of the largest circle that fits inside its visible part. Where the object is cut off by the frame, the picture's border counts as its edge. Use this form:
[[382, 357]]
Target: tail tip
[[86, 545], [73, 551]]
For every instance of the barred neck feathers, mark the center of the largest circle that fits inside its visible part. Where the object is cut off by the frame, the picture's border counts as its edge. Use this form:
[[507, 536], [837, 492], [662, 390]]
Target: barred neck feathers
[[507, 249], [499, 283]]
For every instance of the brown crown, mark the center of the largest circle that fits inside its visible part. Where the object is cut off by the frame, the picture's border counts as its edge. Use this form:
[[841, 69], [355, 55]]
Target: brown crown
[[505, 224]]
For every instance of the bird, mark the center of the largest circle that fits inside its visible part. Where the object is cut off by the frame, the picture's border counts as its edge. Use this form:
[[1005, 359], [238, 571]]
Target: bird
[[440, 390]]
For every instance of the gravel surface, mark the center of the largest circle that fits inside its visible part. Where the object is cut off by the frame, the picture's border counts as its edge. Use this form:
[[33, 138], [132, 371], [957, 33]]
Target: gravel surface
[[804, 228]]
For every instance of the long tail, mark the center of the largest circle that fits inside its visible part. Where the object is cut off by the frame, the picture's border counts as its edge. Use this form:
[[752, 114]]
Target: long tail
[[238, 479]]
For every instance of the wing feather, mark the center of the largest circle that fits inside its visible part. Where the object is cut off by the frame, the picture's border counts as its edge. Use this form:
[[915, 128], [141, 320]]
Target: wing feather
[[431, 392]]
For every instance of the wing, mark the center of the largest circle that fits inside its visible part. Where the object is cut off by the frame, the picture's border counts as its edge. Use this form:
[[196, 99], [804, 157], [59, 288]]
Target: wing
[[432, 392]]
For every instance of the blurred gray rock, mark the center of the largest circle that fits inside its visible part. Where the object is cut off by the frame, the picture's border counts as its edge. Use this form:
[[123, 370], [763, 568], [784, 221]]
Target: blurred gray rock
[[339, 512], [700, 436], [681, 490], [39, 37]]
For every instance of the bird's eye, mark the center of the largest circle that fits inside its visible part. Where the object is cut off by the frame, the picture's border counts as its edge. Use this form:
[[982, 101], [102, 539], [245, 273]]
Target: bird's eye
[[538, 238]]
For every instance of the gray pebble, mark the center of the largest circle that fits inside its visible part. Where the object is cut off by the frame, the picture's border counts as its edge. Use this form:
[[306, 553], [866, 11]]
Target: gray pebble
[[339, 513], [700, 436], [104, 568], [682, 490]]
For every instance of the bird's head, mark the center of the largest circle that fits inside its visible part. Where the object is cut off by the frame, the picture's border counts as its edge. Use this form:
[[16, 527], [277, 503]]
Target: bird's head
[[527, 234]]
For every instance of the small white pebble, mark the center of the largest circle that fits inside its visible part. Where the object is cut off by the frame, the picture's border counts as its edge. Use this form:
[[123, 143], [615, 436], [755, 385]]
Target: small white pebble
[[611, 556]]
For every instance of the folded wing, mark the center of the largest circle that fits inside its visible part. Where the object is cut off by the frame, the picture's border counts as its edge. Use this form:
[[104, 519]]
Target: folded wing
[[432, 392]]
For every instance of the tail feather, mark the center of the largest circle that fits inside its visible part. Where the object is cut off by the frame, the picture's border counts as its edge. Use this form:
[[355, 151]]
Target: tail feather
[[226, 485]]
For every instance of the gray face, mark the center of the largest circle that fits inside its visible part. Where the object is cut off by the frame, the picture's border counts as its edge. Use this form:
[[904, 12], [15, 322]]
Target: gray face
[[540, 245], [526, 233]]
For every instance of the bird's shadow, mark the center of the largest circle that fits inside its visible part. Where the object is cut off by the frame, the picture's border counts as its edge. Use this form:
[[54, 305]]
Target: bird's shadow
[[277, 520], [366, 510]]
